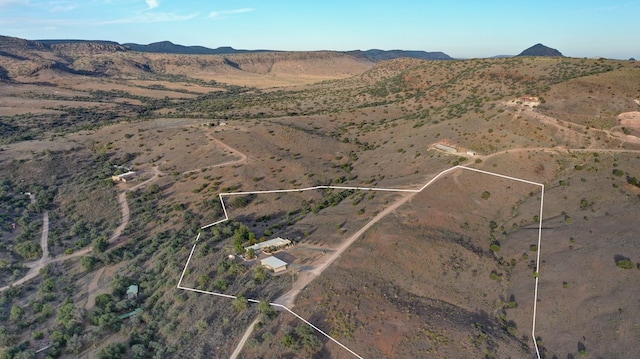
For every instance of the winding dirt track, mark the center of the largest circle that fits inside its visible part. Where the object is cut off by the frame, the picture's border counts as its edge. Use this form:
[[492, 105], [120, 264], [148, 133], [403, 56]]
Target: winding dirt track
[[306, 277], [34, 267], [93, 287]]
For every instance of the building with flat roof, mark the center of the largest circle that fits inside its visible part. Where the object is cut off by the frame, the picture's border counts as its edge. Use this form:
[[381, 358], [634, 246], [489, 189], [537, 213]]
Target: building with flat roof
[[270, 245], [275, 264]]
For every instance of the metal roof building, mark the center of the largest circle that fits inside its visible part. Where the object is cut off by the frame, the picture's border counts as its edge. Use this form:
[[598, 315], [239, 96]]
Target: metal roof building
[[275, 264], [276, 242]]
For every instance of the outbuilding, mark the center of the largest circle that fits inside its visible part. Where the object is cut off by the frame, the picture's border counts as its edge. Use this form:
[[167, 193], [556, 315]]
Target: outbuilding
[[132, 292], [446, 148], [275, 264]]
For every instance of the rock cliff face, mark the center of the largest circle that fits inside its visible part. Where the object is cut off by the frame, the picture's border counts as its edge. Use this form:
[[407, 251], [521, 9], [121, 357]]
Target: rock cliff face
[[541, 50], [87, 48], [25, 60]]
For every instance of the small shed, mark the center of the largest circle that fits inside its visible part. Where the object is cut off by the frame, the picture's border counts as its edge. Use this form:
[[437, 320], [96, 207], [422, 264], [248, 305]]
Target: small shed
[[275, 264], [132, 292]]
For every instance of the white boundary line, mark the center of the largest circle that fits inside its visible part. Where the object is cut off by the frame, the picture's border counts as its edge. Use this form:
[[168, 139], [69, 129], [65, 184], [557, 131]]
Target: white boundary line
[[226, 218]]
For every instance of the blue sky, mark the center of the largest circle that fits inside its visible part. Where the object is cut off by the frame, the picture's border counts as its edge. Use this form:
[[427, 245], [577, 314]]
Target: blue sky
[[473, 28]]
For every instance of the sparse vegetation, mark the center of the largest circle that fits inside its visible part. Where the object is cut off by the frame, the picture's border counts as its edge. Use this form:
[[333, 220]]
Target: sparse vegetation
[[374, 129], [624, 263]]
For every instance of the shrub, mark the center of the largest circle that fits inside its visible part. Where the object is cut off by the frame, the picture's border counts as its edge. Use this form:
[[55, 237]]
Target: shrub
[[617, 172], [240, 303], [486, 195], [624, 263], [533, 247]]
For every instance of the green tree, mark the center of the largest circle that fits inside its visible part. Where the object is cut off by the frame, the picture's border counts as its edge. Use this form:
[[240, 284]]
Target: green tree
[[109, 321], [16, 313], [203, 280], [310, 340], [74, 344], [112, 351], [221, 284], [70, 316], [240, 303], [88, 263], [119, 285], [100, 244], [29, 250], [138, 351], [104, 301], [260, 274], [27, 354], [266, 310], [289, 341]]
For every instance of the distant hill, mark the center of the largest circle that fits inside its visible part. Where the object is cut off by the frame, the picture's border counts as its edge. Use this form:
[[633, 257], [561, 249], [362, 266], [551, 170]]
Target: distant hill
[[168, 47], [25, 61], [62, 41], [541, 50], [376, 55]]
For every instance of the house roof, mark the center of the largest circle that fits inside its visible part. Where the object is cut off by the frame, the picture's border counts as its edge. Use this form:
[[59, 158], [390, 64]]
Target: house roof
[[127, 174], [133, 289], [276, 242], [273, 262]]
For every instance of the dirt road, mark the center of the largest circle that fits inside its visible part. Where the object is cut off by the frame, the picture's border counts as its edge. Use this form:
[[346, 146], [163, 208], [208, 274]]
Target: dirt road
[[34, 267], [93, 289], [244, 339], [44, 240], [306, 277], [243, 157]]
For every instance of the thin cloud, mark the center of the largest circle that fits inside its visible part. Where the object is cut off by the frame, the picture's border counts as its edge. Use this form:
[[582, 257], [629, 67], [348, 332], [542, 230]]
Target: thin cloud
[[63, 8], [6, 3], [225, 13], [152, 4], [150, 18]]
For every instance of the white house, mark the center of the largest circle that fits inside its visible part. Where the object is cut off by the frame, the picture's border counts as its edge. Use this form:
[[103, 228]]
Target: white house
[[272, 244]]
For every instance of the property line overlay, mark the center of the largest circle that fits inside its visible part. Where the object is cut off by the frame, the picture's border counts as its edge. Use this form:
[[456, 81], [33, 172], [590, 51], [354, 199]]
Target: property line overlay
[[438, 176]]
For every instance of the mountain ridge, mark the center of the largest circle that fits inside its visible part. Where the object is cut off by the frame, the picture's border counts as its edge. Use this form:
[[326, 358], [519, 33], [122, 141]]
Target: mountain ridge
[[168, 47]]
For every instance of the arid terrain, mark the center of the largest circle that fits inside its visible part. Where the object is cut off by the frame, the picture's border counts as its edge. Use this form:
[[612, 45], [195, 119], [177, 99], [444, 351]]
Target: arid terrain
[[446, 272]]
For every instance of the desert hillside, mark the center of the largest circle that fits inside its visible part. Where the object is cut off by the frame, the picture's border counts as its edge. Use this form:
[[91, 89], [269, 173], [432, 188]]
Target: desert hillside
[[31, 61], [430, 205]]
